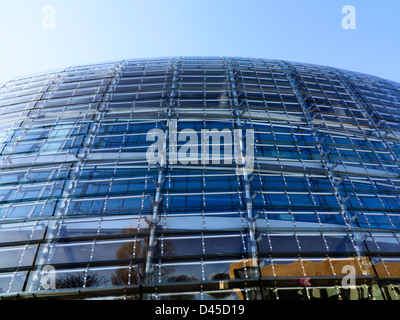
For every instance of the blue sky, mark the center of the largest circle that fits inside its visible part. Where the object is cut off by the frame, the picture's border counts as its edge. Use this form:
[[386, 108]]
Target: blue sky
[[89, 31]]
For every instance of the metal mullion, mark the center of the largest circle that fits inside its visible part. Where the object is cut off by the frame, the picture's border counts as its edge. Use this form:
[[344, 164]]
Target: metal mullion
[[47, 239], [354, 91], [246, 182], [330, 175], [161, 174]]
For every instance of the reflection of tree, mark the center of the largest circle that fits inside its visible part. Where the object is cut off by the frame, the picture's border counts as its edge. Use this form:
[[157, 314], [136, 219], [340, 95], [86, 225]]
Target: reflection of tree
[[78, 280], [137, 249], [183, 278]]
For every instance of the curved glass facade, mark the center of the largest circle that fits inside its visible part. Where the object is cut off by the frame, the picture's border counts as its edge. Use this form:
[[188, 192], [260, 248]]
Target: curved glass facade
[[84, 214]]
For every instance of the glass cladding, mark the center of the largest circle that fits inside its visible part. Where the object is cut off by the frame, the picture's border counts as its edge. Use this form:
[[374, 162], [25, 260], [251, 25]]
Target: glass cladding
[[79, 198]]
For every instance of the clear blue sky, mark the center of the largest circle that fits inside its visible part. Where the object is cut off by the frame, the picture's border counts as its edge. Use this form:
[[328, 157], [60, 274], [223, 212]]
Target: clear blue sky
[[89, 31]]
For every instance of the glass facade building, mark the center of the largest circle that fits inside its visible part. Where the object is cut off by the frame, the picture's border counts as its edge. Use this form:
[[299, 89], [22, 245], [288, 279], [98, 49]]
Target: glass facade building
[[83, 214]]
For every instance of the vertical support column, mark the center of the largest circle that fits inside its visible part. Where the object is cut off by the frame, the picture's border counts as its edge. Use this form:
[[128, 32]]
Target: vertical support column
[[369, 113], [242, 166], [51, 229], [292, 76], [162, 168]]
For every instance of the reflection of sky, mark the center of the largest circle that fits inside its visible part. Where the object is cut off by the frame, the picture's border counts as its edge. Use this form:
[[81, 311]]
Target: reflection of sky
[[100, 30]]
